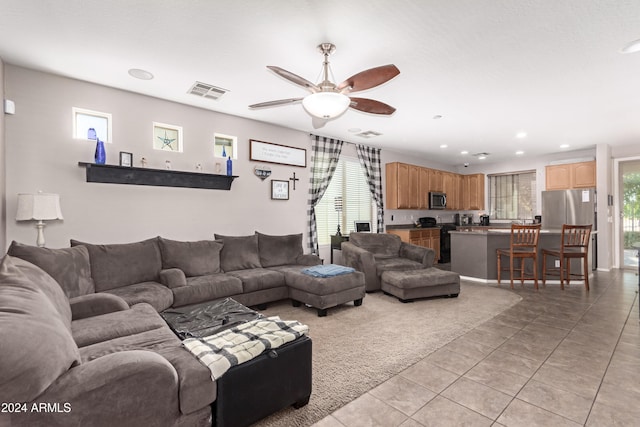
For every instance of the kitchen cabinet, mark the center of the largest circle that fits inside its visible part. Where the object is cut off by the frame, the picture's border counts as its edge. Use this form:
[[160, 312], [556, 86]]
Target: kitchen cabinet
[[423, 188], [474, 192], [402, 186], [408, 187], [450, 189], [570, 175], [425, 237], [436, 180]]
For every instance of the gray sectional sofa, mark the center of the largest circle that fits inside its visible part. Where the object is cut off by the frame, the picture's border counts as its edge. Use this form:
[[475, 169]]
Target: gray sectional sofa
[[81, 333]]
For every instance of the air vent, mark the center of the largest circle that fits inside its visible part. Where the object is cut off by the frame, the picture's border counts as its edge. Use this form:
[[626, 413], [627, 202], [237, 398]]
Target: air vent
[[368, 134], [480, 154], [206, 90]]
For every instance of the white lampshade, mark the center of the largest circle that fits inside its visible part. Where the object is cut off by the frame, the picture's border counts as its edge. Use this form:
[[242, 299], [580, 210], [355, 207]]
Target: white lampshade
[[326, 105], [39, 206]]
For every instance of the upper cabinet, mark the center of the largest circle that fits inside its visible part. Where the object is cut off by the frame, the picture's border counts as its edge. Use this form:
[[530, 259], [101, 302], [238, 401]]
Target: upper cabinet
[[570, 175], [474, 192], [408, 187]]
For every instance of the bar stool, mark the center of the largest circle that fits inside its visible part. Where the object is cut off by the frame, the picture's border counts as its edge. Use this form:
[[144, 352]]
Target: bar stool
[[574, 244], [523, 246]]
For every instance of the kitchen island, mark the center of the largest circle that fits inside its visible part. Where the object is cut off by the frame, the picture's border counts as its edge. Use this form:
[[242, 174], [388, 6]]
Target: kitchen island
[[473, 253]]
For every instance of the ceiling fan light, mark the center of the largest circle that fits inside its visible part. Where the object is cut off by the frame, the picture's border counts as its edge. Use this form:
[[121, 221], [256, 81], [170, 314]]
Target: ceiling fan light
[[326, 105]]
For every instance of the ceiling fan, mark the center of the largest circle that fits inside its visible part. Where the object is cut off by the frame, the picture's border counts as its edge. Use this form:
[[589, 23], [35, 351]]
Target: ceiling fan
[[328, 100]]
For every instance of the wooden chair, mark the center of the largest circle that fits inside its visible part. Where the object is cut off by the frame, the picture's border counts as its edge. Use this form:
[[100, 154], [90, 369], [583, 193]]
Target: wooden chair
[[523, 246], [574, 244]]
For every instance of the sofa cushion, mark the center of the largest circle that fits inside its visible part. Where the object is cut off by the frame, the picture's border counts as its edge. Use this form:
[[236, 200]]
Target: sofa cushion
[[142, 259], [197, 390], [68, 266], [193, 258], [206, 288], [381, 245], [279, 250], [36, 345], [396, 264], [257, 279], [154, 293], [239, 252], [140, 318]]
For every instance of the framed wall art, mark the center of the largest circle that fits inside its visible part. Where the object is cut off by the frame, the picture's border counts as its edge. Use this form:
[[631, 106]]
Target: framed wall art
[[268, 152], [167, 137], [84, 119], [225, 146], [126, 159], [279, 190]]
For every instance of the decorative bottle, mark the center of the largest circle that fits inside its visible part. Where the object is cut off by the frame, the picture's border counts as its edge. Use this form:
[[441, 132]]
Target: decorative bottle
[[224, 152], [229, 166], [100, 155]]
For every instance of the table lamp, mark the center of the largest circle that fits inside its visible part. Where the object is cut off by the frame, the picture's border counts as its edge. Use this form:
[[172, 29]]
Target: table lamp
[[39, 207]]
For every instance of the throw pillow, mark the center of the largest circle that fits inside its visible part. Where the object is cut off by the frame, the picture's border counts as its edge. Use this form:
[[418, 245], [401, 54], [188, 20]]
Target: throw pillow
[[68, 266], [279, 250], [142, 260], [37, 347], [193, 258], [239, 252]]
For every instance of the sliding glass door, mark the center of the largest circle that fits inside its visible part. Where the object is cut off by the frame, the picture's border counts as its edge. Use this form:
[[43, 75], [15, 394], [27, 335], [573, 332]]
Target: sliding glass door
[[630, 213]]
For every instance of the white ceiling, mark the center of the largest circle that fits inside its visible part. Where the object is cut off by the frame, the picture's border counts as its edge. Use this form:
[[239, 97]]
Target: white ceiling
[[491, 68]]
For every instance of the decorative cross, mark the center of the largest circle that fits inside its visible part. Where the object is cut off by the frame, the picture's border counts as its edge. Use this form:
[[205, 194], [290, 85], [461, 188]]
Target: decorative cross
[[294, 179]]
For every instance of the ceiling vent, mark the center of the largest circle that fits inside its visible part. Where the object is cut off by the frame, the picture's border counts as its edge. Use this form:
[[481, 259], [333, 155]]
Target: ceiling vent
[[205, 90], [368, 134], [481, 154]]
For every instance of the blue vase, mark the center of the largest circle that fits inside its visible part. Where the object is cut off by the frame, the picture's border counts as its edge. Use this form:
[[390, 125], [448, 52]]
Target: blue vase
[[229, 166], [100, 156]]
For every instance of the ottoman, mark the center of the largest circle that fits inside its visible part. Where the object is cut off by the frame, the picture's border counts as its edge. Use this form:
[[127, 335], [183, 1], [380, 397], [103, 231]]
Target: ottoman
[[428, 282], [325, 292]]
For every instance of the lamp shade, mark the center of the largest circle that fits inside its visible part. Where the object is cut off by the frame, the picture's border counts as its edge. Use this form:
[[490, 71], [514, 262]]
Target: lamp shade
[[326, 105], [39, 206]]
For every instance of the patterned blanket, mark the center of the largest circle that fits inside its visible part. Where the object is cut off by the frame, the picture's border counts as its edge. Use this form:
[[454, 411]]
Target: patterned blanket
[[329, 270], [242, 343]]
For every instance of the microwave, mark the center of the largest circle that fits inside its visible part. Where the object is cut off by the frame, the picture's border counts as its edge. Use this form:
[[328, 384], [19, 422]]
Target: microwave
[[437, 200]]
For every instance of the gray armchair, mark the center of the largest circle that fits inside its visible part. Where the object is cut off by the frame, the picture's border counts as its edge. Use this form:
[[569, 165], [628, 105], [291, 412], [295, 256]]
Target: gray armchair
[[374, 254]]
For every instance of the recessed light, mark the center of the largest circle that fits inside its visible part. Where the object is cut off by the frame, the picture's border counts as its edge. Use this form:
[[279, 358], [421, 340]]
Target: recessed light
[[564, 146], [632, 47], [464, 152], [482, 157], [521, 135], [519, 152], [443, 145], [140, 74]]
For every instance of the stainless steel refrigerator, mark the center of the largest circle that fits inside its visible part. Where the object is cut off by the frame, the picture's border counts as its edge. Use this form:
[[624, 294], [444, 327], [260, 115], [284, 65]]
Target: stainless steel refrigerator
[[576, 207]]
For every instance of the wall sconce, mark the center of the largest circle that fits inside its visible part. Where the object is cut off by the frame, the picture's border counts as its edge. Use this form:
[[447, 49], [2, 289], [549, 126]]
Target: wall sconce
[[39, 207]]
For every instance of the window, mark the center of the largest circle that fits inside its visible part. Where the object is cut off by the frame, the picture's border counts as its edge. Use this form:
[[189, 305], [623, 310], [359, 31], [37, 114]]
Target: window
[[347, 200], [512, 196]]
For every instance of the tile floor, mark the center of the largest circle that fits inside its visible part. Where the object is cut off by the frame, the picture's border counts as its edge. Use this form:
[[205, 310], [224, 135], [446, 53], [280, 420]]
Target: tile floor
[[557, 358]]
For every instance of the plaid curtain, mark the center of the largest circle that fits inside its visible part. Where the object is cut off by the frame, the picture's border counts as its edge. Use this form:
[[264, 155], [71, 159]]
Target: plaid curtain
[[370, 160], [324, 161]]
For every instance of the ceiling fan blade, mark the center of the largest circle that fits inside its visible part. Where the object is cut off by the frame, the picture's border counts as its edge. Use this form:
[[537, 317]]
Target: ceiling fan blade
[[294, 78], [369, 78], [371, 106], [276, 103]]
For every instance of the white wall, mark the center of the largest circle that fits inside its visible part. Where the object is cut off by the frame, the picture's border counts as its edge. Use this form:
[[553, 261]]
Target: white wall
[[3, 217], [42, 155]]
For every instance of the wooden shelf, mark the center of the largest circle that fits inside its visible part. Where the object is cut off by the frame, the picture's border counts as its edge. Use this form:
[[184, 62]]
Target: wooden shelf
[[112, 174]]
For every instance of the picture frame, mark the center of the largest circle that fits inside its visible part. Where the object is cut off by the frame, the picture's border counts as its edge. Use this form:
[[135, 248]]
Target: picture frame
[[126, 159], [279, 190], [227, 144], [268, 152], [167, 137], [84, 119]]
